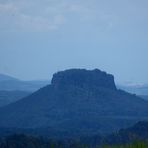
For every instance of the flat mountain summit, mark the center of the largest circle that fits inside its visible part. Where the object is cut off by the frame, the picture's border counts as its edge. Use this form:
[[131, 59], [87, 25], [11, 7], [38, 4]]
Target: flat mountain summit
[[78, 102], [83, 78]]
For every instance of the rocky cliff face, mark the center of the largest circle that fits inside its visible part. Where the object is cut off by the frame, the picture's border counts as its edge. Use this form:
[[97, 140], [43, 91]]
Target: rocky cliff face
[[84, 79]]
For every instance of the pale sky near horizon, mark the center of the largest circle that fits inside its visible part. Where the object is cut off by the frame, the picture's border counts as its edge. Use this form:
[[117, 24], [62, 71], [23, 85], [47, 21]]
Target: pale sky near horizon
[[38, 38]]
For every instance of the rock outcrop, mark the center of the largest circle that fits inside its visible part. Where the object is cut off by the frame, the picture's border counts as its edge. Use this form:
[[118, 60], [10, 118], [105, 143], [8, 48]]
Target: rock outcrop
[[84, 79]]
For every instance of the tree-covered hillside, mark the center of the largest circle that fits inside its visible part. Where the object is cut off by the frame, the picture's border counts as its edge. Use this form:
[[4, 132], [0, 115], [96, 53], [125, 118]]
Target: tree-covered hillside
[[7, 97], [77, 103]]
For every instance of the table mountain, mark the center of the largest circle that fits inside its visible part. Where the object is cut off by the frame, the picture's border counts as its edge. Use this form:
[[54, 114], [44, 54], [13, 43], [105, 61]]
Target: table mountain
[[78, 102]]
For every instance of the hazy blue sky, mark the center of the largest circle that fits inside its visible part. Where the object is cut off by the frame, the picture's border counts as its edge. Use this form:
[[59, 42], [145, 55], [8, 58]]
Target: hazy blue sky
[[40, 37]]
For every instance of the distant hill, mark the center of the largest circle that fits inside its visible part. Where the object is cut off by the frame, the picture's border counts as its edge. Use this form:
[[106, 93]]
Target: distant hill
[[9, 83], [78, 102], [135, 89], [6, 78], [144, 97], [7, 97]]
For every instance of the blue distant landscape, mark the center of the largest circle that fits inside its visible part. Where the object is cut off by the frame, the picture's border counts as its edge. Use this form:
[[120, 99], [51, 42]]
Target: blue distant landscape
[[73, 74]]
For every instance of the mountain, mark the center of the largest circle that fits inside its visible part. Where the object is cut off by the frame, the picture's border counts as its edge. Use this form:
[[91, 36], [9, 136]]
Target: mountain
[[9, 83], [7, 97], [78, 102], [6, 78], [144, 97], [135, 89]]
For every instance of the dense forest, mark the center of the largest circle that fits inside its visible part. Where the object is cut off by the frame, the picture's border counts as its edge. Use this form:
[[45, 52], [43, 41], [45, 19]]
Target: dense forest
[[24, 141]]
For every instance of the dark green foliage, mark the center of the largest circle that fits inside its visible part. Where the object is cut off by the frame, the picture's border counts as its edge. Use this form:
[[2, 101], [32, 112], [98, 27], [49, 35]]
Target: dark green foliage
[[23, 141], [136, 144], [135, 133]]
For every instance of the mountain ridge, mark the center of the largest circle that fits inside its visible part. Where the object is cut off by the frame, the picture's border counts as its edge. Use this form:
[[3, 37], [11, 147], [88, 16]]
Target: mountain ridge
[[9, 83], [4, 77]]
